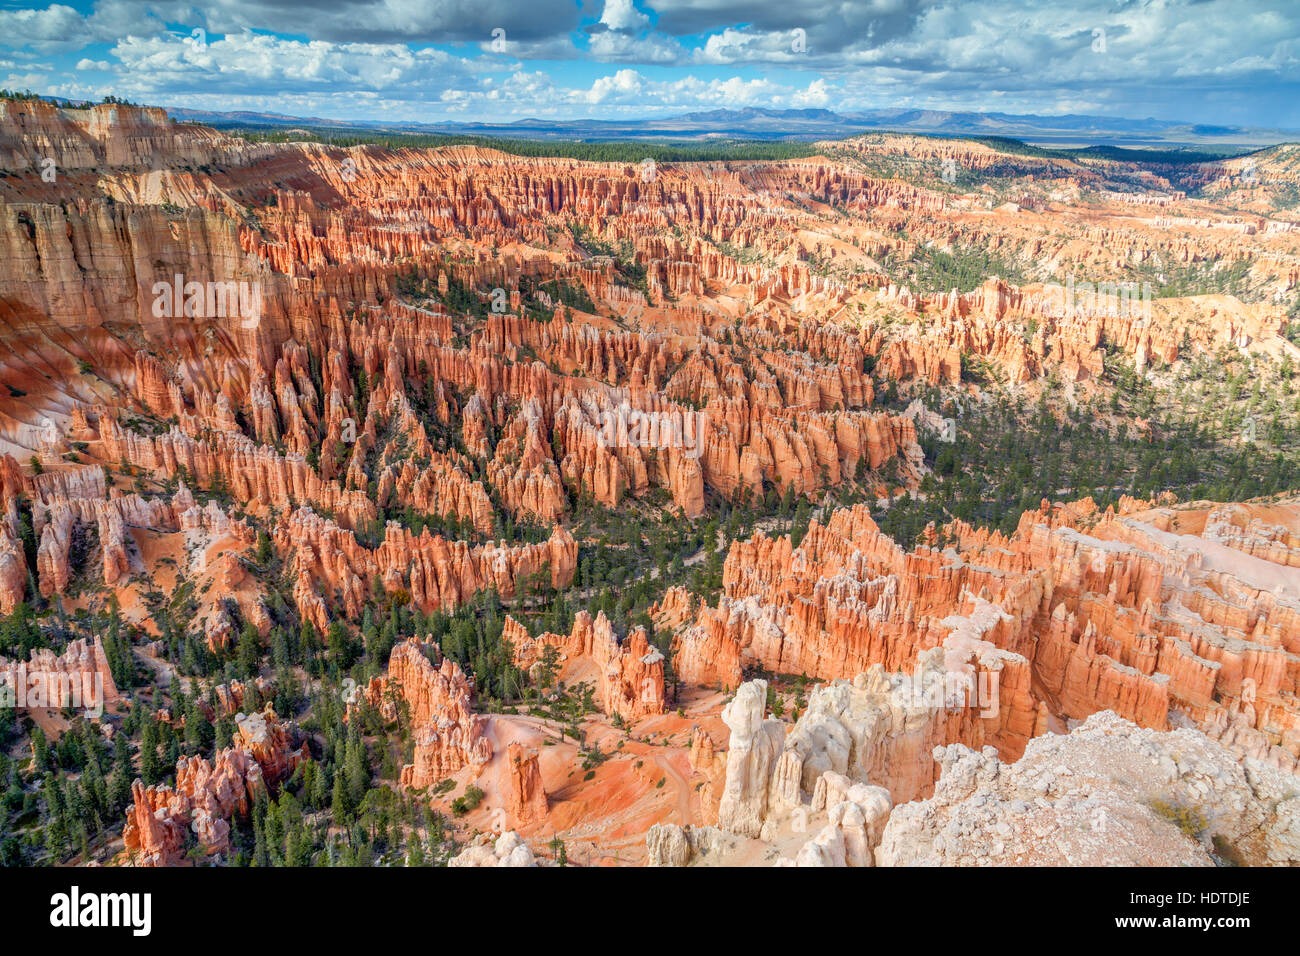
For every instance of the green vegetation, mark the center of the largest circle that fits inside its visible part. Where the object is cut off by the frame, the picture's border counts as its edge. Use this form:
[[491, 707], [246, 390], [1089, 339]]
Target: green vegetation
[[931, 270], [1188, 819], [468, 801], [618, 151], [1009, 454]]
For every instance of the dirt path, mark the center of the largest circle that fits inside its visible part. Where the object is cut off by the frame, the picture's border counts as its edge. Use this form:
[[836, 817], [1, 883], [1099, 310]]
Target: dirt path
[[683, 789]]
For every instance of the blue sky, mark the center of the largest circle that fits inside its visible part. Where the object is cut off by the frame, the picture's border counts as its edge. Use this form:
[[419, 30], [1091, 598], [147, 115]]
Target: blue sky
[[1206, 61]]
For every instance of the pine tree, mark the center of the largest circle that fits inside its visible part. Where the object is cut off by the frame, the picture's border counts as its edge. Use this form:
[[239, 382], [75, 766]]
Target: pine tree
[[297, 847], [415, 852], [320, 792], [150, 768], [249, 650], [356, 769], [96, 791], [260, 855], [340, 813], [119, 784], [40, 751]]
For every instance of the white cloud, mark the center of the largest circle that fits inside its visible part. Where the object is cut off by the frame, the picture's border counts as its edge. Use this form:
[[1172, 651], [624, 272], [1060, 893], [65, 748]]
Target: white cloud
[[740, 46], [620, 85], [611, 46], [53, 28], [622, 15], [816, 95], [256, 62], [423, 21], [630, 88], [60, 28]]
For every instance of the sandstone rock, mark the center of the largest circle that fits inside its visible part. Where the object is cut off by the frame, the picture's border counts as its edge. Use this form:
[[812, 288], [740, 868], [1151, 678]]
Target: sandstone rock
[[525, 796], [78, 678], [630, 674], [1124, 615], [448, 734]]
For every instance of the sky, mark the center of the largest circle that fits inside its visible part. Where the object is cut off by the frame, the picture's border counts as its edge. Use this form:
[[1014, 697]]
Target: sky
[[1223, 62]]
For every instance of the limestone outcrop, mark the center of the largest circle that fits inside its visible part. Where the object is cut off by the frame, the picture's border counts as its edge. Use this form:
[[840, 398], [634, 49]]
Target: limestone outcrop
[[508, 850], [1109, 793], [668, 844], [751, 760]]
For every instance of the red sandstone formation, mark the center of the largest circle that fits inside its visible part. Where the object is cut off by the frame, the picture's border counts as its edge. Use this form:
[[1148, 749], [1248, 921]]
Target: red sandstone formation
[[629, 675], [1070, 331], [434, 572], [290, 372], [207, 793], [707, 760], [327, 357], [1078, 611], [448, 734], [525, 797]]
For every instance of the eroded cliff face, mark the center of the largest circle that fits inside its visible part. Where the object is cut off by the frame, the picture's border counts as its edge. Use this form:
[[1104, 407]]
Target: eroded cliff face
[[431, 571], [82, 290], [79, 678], [716, 376], [833, 791], [109, 135]]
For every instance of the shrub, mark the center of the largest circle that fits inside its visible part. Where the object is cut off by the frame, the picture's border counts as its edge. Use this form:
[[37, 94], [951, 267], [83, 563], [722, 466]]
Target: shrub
[[1188, 819]]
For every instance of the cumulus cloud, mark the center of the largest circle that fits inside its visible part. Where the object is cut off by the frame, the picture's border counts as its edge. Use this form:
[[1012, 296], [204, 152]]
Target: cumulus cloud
[[427, 21], [59, 27], [816, 95], [630, 88], [246, 62], [732, 47], [393, 81], [831, 25], [617, 47], [622, 15]]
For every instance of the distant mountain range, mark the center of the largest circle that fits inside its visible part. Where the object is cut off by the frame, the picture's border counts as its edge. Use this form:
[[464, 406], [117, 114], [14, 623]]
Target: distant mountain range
[[807, 124]]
